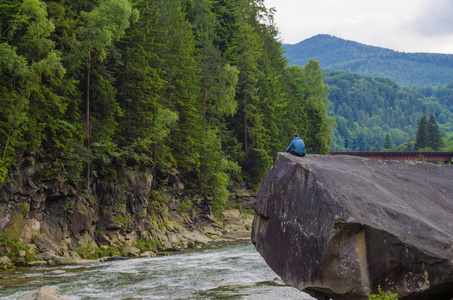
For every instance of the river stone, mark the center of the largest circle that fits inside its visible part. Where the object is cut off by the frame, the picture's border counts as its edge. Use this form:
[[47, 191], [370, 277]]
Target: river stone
[[65, 260], [339, 226], [37, 263], [45, 293], [55, 272], [5, 262], [148, 254], [45, 256], [131, 251]]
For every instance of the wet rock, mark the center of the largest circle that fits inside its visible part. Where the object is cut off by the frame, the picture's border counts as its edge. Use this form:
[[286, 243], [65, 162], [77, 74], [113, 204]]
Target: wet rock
[[131, 251], [5, 263], [37, 263], [166, 245], [148, 254], [83, 262], [55, 272], [65, 260], [45, 256], [45, 293], [115, 257], [339, 226]]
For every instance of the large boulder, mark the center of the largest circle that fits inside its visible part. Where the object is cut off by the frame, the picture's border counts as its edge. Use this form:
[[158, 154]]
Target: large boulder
[[339, 226]]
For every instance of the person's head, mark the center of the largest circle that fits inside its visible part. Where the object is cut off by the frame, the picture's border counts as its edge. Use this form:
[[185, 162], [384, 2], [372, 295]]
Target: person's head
[[295, 135]]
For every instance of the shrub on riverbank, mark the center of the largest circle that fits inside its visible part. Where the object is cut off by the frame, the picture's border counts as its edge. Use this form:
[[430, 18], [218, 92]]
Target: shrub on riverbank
[[381, 295], [13, 249]]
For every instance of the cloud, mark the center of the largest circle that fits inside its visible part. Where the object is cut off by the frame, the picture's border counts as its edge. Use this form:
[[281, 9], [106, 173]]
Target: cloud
[[403, 25], [436, 19]]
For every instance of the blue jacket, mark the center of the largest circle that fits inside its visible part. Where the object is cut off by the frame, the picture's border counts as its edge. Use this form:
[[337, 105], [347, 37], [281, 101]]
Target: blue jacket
[[298, 145]]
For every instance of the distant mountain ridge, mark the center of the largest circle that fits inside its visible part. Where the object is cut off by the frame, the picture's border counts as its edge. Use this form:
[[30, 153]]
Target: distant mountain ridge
[[407, 69]]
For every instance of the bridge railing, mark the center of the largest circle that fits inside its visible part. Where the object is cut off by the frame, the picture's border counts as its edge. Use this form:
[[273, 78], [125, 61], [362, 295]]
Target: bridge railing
[[400, 155]]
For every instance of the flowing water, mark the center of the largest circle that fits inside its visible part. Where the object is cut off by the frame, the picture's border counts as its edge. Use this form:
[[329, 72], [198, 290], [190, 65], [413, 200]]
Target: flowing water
[[229, 271]]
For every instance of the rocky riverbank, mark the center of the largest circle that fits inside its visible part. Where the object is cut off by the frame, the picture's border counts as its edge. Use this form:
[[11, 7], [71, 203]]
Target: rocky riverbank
[[234, 226], [46, 220]]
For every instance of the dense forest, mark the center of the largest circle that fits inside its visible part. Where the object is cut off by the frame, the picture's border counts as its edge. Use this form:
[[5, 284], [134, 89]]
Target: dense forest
[[374, 113], [407, 69], [197, 89]]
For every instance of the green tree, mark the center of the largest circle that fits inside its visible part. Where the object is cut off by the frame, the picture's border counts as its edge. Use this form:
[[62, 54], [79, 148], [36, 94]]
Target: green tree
[[105, 23], [296, 114], [320, 126], [140, 80], [422, 136], [388, 144], [227, 29], [273, 91], [435, 139], [181, 94]]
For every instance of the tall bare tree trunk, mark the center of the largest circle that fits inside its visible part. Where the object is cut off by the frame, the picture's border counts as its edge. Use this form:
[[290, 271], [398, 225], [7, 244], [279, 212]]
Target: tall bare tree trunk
[[88, 131], [246, 146], [205, 92], [245, 120]]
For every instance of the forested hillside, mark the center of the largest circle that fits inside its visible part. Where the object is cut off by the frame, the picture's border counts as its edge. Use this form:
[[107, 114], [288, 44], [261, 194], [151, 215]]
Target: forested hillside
[[193, 89], [369, 108], [407, 69]]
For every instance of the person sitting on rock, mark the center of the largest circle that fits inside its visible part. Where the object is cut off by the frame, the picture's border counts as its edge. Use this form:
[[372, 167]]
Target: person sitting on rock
[[298, 144]]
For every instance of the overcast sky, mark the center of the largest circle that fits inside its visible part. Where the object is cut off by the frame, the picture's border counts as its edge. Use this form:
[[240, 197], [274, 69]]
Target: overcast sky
[[402, 25]]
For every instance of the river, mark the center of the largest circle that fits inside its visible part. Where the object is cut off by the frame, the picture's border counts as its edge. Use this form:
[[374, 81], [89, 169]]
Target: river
[[224, 271]]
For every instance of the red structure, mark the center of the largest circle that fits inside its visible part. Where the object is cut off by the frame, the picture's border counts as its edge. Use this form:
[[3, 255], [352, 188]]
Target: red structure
[[406, 155]]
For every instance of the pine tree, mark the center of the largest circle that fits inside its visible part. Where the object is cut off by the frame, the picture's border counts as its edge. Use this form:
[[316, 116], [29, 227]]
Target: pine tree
[[435, 139], [104, 24], [145, 122], [227, 30], [422, 136], [388, 144], [318, 134], [182, 88]]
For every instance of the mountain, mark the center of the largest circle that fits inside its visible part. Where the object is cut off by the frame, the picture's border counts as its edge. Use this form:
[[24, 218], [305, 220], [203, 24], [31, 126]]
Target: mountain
[[407, 69], [368, 108]]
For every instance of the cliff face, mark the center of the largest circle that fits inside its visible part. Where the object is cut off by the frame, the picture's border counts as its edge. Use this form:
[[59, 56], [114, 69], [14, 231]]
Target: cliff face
[[53, 214], [339, 226], [50, 214]]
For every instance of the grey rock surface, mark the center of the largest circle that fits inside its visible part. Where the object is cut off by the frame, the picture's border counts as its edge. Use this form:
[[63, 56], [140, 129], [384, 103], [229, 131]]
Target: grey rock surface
[[45, 293], [338, 226]]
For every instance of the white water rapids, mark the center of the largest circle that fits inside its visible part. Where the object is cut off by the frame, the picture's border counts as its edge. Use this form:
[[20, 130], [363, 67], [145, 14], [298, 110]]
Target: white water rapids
[[230, 271]]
